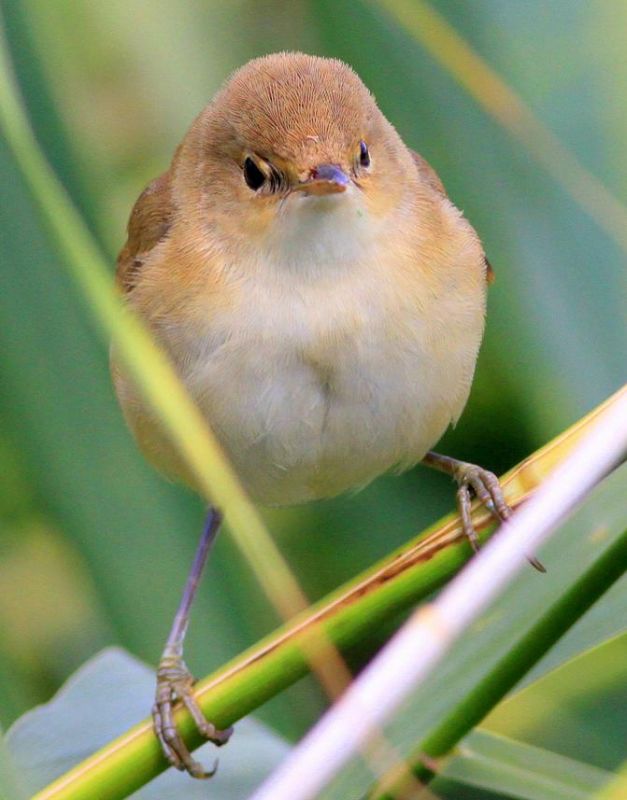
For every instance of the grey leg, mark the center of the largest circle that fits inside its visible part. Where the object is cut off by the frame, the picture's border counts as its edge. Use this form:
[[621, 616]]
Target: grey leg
[[174, 680]]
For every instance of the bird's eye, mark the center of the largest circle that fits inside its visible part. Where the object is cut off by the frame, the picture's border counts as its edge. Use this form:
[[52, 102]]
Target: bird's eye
[[364, 154], [253, 176]]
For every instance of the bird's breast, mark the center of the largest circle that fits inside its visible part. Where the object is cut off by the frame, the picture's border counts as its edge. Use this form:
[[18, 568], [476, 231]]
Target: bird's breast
[[315, 387], [322, 369]]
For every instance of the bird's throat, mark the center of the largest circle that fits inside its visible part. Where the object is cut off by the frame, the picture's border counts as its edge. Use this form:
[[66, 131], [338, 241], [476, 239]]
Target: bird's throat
[[319, 234]]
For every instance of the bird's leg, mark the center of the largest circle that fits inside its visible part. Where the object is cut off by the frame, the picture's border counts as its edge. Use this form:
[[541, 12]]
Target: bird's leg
[[174, 680], [472, 479]]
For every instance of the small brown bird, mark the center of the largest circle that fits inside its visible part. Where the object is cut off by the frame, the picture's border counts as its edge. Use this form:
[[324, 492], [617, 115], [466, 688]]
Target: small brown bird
[[320, 296]]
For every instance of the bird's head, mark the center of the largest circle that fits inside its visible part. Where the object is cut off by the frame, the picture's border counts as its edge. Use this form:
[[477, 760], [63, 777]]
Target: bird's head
[[292, 156]]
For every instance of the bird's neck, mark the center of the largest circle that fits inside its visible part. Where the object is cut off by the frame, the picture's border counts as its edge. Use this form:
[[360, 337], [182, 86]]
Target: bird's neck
[[314, 237]]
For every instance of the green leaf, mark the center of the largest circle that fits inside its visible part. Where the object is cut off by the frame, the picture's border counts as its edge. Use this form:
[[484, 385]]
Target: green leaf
[[604, 621], [499, 764], [107, 695], [577, 709]]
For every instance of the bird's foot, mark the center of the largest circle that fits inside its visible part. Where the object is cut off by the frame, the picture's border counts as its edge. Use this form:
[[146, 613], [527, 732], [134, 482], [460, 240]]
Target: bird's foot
[[485, 486], [175, 682]]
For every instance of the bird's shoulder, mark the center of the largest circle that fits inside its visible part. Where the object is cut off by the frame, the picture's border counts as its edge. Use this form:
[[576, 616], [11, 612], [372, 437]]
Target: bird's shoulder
[[428, 174], [432, 179], [149, 223]]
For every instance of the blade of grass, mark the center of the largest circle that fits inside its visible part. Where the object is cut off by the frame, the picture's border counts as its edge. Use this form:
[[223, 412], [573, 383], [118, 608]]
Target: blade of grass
[[574, 708], [431, 29], [148, 365], [500, 764], [407, 575]]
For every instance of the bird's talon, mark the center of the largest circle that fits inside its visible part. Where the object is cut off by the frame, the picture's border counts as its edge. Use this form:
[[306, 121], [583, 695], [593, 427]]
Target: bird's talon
[[221, 737], [536, 564], [175, 683], [487, 489]]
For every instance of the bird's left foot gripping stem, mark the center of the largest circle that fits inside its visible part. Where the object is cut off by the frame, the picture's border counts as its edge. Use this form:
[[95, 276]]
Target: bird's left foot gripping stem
[[174, 680], [484, 485]]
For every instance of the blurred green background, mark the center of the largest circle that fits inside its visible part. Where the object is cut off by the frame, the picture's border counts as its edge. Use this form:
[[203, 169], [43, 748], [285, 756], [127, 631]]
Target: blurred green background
[[94, 546]]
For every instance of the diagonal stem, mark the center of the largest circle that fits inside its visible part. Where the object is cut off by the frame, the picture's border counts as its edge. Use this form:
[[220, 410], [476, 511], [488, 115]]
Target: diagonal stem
[[415, 651], [347, 616]]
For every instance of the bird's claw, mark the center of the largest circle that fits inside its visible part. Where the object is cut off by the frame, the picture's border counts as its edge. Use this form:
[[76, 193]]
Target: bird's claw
[[485, 486], [175, 682]]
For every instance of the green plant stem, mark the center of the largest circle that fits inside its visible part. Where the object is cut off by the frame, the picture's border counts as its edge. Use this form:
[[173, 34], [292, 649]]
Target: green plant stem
[[518, 661], [346, 616], [269, 667]]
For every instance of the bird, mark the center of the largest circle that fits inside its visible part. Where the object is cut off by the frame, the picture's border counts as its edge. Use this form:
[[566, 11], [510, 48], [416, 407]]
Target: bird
[[320, 297]]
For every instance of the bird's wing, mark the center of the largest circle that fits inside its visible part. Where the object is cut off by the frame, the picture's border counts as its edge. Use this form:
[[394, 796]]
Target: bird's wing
[[430, 177], [428, 174], [148, 224]]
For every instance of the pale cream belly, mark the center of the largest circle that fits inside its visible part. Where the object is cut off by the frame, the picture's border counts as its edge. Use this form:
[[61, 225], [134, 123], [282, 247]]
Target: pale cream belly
[[298, 429], [299, 434]]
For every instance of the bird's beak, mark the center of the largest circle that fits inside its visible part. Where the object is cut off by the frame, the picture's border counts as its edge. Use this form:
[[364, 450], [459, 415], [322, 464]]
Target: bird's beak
[[324, 179]]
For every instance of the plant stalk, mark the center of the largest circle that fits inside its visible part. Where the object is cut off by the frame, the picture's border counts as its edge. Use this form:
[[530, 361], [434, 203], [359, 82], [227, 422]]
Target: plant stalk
[[346, 616]]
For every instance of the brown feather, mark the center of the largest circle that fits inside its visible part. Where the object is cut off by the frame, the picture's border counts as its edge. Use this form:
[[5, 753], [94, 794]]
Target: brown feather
[[489, 273], [431, 177], [428, 174], [149, 223]]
